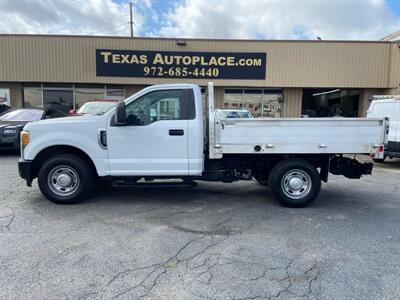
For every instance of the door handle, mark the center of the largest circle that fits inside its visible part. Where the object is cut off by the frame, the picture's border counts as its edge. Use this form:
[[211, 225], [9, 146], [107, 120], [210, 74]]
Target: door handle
[[176, 132]]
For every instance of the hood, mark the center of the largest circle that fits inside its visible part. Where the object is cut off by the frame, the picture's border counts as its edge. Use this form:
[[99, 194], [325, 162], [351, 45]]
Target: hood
[[12, 124], [73, 121]]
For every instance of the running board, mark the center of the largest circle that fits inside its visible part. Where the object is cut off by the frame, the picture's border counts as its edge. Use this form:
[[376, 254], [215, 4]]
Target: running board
[[153, 184]]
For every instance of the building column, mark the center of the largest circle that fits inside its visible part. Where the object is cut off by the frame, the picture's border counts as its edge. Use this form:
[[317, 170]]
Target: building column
[[292, 102], [364, 99], [218, 97]]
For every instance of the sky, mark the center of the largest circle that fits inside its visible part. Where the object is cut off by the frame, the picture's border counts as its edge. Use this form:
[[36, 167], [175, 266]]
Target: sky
[[240, 19]]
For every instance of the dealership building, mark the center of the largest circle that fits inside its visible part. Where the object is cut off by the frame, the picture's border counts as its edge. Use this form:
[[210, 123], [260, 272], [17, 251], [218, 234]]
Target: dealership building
[[270, 78]]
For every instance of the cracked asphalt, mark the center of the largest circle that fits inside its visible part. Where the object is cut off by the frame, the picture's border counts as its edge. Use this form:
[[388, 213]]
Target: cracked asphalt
[[213, 241]]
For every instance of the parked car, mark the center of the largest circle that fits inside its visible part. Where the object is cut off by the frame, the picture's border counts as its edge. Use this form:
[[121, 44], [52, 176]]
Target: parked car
[[389, 107], [135, 140], [11, 124], [233, 114], [94, 107]]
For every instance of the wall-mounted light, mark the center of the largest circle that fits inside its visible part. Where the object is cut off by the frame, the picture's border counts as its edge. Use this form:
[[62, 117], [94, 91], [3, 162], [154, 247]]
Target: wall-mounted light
[[181, 42]]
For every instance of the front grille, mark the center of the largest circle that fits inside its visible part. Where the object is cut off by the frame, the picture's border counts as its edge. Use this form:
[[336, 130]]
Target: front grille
[[3, 133]]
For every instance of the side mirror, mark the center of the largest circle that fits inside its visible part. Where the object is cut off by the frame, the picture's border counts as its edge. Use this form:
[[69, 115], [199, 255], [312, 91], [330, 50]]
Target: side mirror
[[120, 114]]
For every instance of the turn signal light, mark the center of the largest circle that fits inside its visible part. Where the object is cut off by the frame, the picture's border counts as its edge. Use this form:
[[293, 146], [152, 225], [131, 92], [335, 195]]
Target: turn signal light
[[24, 138]]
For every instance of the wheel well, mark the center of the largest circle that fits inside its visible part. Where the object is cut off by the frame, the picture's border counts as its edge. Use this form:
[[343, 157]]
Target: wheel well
[[59, 149]]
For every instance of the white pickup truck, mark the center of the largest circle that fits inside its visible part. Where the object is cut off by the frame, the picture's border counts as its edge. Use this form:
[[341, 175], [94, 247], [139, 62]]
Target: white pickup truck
[[162, 132]]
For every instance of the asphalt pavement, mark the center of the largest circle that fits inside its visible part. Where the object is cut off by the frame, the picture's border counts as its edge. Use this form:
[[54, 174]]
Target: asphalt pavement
[[212, 241]]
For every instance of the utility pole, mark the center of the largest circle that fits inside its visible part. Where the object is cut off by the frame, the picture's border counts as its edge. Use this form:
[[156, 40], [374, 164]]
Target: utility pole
[[131, 21]]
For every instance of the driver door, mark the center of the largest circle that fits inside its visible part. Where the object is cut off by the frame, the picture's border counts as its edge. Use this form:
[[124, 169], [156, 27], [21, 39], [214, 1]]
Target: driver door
[[155, 139]]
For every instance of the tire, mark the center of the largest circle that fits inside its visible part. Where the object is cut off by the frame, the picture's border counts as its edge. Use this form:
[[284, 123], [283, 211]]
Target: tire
[[65, 179], [263, 180], [295, 182]]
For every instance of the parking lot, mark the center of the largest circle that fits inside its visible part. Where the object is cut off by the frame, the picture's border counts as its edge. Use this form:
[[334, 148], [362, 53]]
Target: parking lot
[[216, 241]]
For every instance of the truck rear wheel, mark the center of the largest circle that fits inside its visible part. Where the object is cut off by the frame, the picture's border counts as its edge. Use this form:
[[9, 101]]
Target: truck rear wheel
[[295, 182], [65, 179]]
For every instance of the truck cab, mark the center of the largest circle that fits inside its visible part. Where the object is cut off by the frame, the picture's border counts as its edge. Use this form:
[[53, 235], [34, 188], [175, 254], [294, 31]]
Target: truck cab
[[162, 133]]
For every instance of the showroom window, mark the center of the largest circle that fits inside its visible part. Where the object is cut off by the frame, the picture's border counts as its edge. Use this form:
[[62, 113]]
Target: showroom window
[[33, 95], [115, 92], [4, 96], [233, 99], [260, 102], [59, 99], [85, 93], [253, 102], [330, 103]]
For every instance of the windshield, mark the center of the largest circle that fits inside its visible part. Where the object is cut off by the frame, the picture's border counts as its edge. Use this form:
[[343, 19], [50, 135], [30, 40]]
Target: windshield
[[95, 108], [22, 115], [232, 114]]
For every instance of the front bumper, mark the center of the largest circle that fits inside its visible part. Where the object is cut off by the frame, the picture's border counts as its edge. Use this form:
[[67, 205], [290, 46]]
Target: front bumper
[[25, 171]]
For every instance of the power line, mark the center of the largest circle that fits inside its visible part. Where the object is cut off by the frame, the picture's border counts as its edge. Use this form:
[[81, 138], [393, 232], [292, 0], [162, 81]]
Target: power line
[[110, 29], [130, 23]]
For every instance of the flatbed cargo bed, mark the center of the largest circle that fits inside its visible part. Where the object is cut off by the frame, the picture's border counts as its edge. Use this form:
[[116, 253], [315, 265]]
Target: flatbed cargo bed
[[295, 135], [335, 135]]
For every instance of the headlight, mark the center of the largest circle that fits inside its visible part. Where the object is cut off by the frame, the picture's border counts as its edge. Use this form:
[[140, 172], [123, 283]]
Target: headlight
[[24, 138], [8, 132]]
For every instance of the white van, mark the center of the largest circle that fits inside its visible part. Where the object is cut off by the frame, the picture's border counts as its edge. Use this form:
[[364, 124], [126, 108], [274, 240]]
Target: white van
[[388, 107]]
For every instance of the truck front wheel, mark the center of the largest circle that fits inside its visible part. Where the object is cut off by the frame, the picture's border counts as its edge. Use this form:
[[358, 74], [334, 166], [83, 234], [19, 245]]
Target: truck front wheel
[[295, 182], [65, 179]]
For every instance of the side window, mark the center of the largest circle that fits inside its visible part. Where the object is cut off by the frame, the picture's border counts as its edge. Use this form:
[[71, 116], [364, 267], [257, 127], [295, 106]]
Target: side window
[[156, 106]]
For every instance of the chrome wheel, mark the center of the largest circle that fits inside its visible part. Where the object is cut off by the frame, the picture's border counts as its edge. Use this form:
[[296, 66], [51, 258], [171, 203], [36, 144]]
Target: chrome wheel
[[63, 180], [296, 184]]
